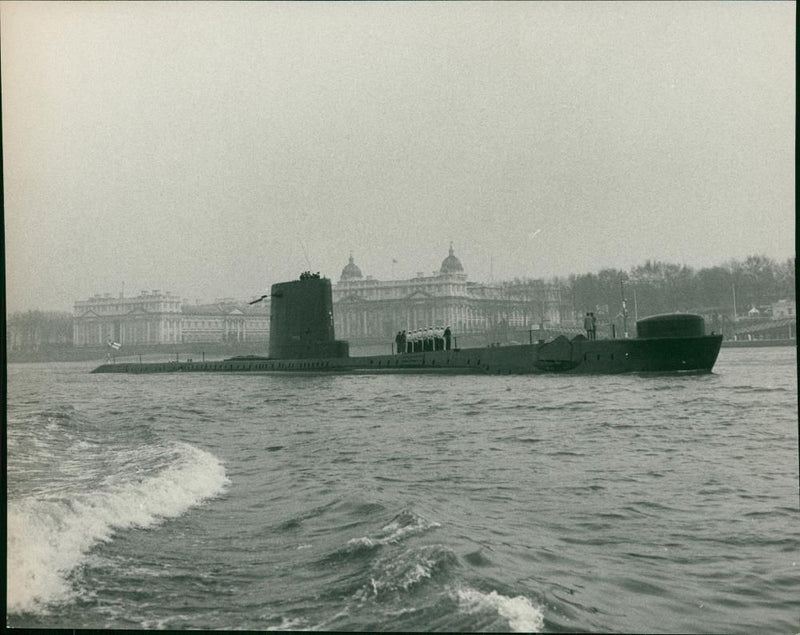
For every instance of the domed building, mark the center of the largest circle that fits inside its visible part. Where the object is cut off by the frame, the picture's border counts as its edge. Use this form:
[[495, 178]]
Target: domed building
[[451, 264], [350, 271], [367, 309]]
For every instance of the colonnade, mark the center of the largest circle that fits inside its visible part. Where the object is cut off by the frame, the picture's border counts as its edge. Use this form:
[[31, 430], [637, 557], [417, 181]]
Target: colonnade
[[381, 319]]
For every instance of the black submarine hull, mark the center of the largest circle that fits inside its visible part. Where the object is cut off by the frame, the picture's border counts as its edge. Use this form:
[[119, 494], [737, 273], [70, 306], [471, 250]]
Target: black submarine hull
[[302, 341], [579, 356]]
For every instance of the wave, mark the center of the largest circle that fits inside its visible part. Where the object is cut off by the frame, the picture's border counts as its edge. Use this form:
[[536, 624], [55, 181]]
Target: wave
[[519, 612], [289, 624], [403, 572], [399, 528], [49, 538], [751, 388]]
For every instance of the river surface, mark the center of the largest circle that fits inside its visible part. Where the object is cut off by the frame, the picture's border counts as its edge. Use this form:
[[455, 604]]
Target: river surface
[[497, 503]]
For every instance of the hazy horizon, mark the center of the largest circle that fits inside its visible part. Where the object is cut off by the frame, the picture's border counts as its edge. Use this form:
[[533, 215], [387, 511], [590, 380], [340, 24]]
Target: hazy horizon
[[124, 291], [212, 149]]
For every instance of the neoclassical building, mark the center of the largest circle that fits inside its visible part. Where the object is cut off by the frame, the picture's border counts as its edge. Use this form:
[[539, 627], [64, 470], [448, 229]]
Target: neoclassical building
[[364, 309], [367, 308], [226, 321], [153, 318]]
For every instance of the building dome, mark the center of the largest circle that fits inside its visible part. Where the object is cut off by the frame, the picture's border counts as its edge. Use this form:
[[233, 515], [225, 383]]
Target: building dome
[[351, 271], [451, 264]]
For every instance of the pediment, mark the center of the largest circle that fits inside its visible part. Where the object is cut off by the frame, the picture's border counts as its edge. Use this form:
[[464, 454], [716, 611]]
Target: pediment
[[419, 295]]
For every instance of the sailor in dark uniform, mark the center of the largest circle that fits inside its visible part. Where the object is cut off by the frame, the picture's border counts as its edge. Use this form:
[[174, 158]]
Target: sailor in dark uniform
[[587, 324], [398, 340], [447, 335]]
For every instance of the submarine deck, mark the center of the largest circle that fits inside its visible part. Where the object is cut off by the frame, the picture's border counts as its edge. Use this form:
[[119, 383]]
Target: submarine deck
[[561, 355]]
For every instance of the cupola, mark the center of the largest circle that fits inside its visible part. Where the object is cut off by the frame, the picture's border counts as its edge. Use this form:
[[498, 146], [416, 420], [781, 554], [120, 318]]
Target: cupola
[[351, 270], [451, 264]]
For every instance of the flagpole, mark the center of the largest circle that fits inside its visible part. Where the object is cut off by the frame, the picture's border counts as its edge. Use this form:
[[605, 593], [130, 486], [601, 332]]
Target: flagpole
[[624, 309]]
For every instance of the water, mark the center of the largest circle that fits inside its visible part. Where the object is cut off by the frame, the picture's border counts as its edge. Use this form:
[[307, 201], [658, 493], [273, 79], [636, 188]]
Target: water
[[554, 503]]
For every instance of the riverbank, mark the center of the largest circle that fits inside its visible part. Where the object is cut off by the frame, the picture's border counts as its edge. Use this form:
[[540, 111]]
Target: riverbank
[[197, 350]]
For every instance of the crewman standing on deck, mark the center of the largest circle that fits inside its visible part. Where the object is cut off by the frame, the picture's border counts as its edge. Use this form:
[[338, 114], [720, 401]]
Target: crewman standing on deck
[[587, 324], [447, 335]]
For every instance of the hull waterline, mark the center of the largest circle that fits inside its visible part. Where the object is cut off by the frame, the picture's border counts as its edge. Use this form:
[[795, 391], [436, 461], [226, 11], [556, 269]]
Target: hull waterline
[[578, 356]]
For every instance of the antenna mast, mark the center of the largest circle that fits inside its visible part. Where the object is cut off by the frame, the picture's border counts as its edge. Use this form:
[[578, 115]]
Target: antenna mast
[[624, 309], [305, 253]]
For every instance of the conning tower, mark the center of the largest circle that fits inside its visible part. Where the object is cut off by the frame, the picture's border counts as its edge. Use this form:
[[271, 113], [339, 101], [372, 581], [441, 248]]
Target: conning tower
[[301, 320], [671, 325]]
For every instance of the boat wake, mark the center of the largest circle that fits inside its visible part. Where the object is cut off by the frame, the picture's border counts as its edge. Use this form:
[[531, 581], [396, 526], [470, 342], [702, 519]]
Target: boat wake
[[396, 573], [50, 536], [519, 612]]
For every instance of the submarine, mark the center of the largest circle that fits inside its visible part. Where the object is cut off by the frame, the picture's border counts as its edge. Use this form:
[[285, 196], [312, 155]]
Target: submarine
[[302, 341]]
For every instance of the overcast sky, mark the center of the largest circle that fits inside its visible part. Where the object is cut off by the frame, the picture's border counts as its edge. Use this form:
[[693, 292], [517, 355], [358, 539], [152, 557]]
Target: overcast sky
[[211, 149]]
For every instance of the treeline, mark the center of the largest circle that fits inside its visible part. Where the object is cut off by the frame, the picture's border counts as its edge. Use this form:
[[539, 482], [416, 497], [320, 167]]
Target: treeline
[[661, 287], [31, 330]]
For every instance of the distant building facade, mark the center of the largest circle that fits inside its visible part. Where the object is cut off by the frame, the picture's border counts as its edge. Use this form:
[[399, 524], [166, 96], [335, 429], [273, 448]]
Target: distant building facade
[[784, 309], [154, 318], [226, 321], [364, 308], [368, 308], [150, 318]]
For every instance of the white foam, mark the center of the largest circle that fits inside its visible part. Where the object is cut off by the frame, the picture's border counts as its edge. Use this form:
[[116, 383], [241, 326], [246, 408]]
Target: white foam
[[288, 624], [49, 538], [394, 532], [364, 541], [420, 571], [402, 572], [521, 614]]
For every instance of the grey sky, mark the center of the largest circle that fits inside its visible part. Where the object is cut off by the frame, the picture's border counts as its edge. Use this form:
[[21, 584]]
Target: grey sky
[[203, 147]]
